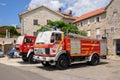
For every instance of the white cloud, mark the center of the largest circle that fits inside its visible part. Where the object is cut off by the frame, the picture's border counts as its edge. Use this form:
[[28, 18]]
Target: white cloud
[[3, 4], [78, 7], [53, 4]]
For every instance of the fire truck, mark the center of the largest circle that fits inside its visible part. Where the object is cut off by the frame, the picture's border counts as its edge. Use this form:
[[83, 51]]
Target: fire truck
[[55, 48], [24, 45]]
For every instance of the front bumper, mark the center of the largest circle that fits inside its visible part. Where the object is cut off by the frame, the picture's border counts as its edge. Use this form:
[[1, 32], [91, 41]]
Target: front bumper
[[51, 60]]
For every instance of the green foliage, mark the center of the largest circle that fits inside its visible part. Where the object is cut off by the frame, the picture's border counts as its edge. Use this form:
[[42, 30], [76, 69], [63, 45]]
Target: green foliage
[[11, 29], [43, 28], [65, 27]]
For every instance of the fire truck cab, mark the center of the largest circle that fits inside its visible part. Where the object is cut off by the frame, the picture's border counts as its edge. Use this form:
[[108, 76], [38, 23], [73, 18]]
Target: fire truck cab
[[24, 45], [54, 48]]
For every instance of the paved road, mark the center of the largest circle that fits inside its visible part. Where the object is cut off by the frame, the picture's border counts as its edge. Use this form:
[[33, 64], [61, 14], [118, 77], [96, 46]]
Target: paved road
[[12, 73], [107, 70]]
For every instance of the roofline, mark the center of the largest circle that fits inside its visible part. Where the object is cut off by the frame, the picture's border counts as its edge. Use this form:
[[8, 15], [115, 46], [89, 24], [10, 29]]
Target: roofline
[[48, 9], [96, 14], [90, 16], [38, 8], [109, 4]]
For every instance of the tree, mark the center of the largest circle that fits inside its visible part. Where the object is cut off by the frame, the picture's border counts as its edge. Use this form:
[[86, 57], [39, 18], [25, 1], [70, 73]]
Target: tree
[[11, 29], [65, 27]]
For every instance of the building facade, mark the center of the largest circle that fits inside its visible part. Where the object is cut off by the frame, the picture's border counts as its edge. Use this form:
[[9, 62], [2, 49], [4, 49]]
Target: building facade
[[113, 27], [103, 23], [92, 23], [33, 19]]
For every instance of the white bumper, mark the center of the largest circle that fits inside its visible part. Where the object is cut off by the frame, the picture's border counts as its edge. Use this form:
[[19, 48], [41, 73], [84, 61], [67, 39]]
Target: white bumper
[[41, 58]]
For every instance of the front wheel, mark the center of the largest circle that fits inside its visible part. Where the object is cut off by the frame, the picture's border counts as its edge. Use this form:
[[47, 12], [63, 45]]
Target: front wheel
[[31, 59], [63, 62]]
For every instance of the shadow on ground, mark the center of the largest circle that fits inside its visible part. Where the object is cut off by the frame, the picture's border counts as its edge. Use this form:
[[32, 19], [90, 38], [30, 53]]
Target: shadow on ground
[[73, 66], [22, 62]]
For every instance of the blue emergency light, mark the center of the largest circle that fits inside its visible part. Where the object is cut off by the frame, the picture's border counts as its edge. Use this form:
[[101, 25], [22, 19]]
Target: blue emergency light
[[55, 28]]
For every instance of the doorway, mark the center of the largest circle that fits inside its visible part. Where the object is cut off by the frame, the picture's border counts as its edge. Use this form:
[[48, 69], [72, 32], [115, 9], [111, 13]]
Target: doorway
[[118, 47]]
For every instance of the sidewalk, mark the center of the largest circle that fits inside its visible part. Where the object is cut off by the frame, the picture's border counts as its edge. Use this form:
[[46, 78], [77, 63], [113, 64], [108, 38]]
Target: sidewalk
[[113, 58]]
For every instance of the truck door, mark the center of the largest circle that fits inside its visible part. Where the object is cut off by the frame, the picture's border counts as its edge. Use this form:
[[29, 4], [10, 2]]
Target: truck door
[[28, 43], [56, 39]]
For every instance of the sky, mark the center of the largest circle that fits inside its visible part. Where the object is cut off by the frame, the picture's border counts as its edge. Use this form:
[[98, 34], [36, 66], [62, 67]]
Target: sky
[[10, 9]]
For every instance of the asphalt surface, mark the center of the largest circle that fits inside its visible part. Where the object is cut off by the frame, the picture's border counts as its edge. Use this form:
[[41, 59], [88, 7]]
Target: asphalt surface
[[108, 69], [12, 73]]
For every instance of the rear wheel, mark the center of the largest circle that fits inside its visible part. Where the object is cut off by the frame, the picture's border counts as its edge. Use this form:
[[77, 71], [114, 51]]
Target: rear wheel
[[95, 60], [24, 58], [63, 62]]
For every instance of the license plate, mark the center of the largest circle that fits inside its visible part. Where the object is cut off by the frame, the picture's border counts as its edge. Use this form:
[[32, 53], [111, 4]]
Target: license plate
[[44, 58]]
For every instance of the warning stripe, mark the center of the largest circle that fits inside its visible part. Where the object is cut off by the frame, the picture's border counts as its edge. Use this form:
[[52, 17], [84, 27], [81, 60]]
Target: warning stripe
[[58, 48]]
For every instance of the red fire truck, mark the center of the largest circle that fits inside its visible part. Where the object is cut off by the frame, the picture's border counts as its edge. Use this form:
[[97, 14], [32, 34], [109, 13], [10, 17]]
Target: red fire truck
[[54, 48], [24, 46]]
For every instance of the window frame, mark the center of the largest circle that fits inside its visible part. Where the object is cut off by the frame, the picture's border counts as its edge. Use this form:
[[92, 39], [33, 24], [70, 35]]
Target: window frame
[[35, 21], [112, 29], [88, 33]]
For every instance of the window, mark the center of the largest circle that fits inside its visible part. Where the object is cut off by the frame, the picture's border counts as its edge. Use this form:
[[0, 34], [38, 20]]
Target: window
[[115, 13], [95, 19], [58, 37], [98, 19], [88, 21], [97, 36], [97, 31], [88, 33], [81, 24], [28, 40], [112, 29], [35, 22], [55, 37], [48, 21], [35, 33]]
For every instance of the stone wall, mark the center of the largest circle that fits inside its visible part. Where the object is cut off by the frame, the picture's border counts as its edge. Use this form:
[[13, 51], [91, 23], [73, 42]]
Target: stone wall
[[42, 15], [7, 44], [7, 40], [111, 18]]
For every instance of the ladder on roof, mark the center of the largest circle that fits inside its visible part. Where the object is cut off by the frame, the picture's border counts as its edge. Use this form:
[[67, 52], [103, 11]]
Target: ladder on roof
[[76, 35]]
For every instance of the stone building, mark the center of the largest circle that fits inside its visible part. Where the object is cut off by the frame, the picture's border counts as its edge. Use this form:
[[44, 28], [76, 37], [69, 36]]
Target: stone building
[[103, 23], [113, 27], [33, 19]]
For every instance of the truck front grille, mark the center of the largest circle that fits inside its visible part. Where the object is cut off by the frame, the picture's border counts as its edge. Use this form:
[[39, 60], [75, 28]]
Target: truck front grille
[[42, 50], [47, 50]]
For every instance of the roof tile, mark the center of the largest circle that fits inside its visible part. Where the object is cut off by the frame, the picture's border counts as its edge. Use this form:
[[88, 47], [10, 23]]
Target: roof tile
[[90, 14]]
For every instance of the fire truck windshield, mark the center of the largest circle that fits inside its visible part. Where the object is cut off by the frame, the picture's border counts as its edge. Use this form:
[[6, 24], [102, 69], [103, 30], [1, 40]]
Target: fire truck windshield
[[20, 40], [43, 37]]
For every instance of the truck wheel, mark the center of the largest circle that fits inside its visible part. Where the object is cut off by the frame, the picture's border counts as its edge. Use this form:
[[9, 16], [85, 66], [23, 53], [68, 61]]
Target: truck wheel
[[31, 59], [24, 58], [95, 60], [45, 64], [63, 62]]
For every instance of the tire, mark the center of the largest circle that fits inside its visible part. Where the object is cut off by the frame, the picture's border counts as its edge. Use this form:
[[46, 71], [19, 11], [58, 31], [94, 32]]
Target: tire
[[95, 60], [63, 62], [45, 64], [30, 59], [24, 58]]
